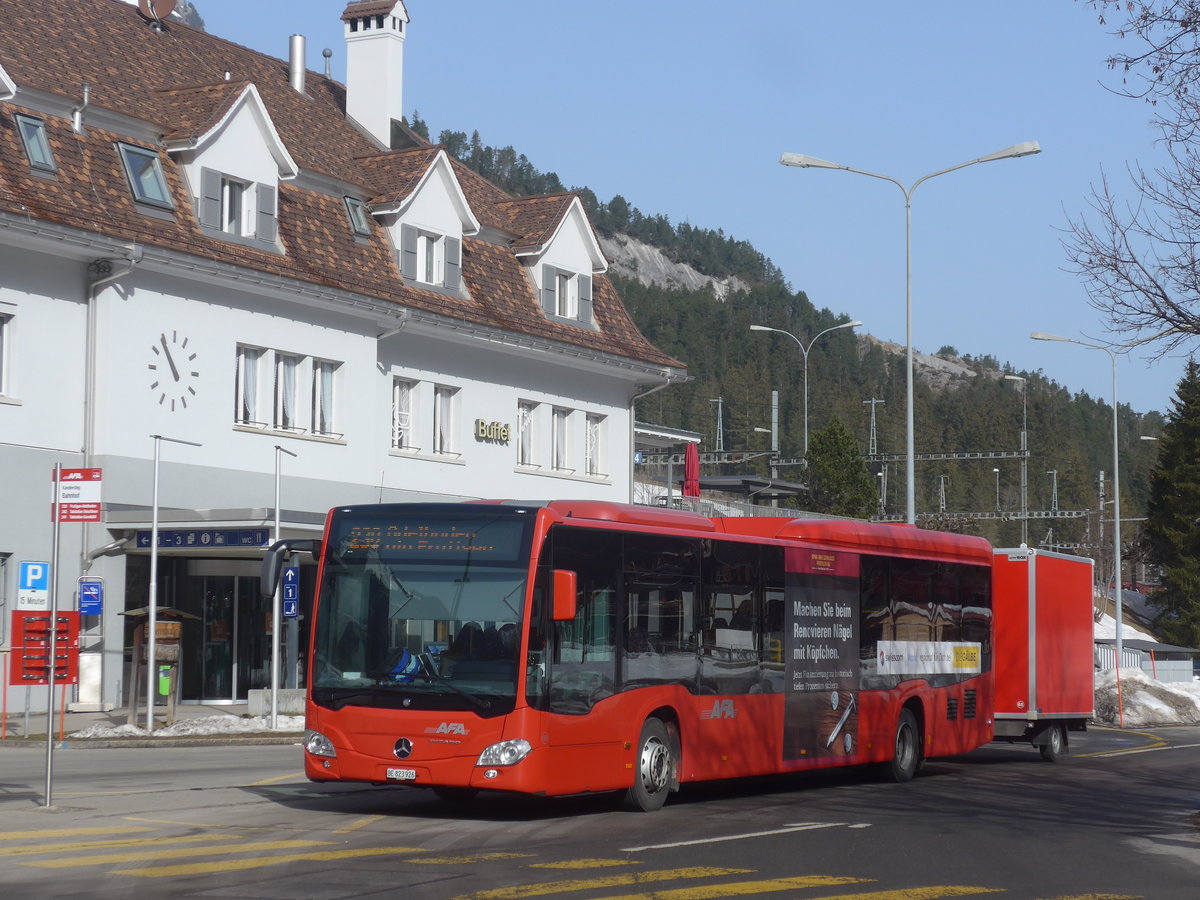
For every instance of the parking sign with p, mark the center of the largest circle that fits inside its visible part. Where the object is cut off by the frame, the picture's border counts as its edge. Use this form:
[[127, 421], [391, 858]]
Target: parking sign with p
[[33, 588]]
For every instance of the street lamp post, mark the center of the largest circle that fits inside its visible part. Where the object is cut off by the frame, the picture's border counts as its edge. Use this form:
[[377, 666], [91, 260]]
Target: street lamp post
[[996, 472], [1043, 336], [799, 160], [804, 352], [1024, 456], [152, 600], [276, 603]]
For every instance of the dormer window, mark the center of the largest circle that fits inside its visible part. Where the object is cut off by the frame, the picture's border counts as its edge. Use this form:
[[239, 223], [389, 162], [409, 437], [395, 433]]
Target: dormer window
[[37, 145], [427, 257], [360, 219], [146, 179], [567, 295], [238, 209]]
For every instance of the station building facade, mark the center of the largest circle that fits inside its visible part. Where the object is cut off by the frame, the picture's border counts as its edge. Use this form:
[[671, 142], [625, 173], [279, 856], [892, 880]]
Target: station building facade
[[255, 281]]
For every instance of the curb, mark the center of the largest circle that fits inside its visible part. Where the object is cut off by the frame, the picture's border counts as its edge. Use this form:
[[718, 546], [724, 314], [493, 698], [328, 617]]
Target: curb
[[156, 743]]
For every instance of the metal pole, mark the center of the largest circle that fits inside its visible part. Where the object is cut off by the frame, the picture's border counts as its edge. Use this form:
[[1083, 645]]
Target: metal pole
[[1116, 507], [910, 453], [276, 618], [152, 619], [53, 635], [152, 602]]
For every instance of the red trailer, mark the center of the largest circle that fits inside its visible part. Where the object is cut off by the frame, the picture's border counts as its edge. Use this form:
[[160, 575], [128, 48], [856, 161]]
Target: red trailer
[[1043, 654]]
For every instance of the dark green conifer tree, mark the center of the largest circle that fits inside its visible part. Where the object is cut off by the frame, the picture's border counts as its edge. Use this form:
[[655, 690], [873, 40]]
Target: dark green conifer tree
[[1171, 530], [838, 479]]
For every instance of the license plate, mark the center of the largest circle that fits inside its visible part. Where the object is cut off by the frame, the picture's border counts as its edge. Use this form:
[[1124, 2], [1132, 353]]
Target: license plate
[[401, 774]]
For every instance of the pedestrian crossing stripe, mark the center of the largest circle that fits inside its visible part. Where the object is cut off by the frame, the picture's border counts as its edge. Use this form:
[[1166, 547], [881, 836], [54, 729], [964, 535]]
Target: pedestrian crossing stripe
[[31, 849], [72, 832], [179, 853], [234, 865]]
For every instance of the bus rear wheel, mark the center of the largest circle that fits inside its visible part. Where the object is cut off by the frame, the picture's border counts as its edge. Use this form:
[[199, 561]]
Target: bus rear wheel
[[906, 758], [654, 768]]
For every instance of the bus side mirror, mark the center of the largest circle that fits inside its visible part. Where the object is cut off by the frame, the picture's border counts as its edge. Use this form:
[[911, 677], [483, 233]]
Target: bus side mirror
[[563, 602], [272, 563]]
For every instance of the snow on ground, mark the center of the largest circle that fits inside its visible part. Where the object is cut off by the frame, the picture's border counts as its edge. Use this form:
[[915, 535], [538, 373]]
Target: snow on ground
[[1146, 701], [201, 725]]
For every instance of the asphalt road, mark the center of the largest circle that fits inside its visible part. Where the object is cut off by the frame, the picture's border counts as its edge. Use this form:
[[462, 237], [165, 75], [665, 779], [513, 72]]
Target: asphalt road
[[1120, 818]]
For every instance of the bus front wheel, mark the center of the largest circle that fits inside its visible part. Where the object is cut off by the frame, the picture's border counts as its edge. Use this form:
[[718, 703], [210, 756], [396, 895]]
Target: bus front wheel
[[654, 768], [906, 758]]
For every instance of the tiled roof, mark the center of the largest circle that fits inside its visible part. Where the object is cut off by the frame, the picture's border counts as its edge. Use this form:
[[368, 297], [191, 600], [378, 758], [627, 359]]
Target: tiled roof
[[533, 219], [182, 81], [360, 8]]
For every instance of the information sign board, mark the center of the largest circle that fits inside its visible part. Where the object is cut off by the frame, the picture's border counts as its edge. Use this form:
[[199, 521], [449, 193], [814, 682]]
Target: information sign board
[[78, 492]]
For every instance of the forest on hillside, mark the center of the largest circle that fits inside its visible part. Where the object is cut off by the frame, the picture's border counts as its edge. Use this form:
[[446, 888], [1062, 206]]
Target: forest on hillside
[[1069, 433]]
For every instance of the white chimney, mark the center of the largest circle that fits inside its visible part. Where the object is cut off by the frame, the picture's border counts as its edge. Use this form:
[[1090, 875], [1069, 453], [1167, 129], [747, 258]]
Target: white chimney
[[296, 68], [375, 32]]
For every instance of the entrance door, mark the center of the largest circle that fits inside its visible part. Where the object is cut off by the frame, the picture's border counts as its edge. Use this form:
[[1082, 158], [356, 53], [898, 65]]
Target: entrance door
[[227, 649]]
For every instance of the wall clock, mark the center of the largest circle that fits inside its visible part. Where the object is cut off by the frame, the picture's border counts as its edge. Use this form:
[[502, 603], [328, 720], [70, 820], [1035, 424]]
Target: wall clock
[[173, 370]]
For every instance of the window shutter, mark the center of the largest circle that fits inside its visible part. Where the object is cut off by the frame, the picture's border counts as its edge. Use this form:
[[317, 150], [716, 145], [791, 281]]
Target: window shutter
[[265, 228], [210, 198], [453, 273], [585, 299], [408, 252], [549, 289]]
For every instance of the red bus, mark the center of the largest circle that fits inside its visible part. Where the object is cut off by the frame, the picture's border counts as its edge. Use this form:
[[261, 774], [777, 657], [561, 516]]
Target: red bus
[[575, 646]]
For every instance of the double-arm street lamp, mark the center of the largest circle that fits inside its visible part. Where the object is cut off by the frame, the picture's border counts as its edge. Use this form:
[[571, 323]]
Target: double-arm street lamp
[[804, 352], [1042, 336], [799, 160]]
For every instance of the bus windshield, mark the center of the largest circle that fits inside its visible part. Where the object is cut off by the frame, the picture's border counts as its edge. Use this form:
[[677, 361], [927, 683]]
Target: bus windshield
[[420, 607]]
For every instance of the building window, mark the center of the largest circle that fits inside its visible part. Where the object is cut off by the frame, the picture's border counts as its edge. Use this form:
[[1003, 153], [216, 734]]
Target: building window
[[593, 449], [443, 419], [567, 295], [285, 392], [146, 178], [245, 411], [559, 440], [360, 219], [430, 258], [402, 414], [238, 208], [322, 397], [5, 331], [37, 145], [235, 208], [525, 455]]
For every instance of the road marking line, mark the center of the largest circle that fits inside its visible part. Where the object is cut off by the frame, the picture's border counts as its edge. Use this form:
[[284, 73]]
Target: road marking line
[[98, 845], [744, 888], [809, 826], [358, 823], [476, 857], [71, 832], [517, 892], [221, 850], [585, 864], [1101, 897], [277, 778], [233, 865]]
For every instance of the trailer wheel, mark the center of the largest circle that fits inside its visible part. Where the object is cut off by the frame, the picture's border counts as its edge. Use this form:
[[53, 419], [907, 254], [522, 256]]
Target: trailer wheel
[[907, 756], [1055, 747], [654, 769]]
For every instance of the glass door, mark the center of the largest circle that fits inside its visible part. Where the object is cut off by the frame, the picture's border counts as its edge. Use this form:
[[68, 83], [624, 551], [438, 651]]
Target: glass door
[[227, 647]]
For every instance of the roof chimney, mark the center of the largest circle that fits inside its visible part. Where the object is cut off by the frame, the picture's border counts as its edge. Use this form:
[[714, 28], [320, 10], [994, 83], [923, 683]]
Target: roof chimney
[[296, 69], [375, 32]]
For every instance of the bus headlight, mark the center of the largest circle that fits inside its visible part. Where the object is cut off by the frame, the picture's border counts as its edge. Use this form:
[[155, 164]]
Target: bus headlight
[[318, 745], [505, 753]]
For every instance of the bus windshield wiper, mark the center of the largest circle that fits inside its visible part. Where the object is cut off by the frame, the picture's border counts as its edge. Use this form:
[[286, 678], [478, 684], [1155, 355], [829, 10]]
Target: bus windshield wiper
[[434, 675]]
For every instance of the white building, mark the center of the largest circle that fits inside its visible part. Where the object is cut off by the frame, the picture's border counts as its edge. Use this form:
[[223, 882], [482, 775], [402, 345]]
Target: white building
[[198, 244]]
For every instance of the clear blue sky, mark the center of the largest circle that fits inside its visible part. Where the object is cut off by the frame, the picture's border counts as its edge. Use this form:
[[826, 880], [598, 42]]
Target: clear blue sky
[[684, 106]]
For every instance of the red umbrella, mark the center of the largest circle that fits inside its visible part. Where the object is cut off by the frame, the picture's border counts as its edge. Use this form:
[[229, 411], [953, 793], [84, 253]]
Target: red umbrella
[[691, 471]]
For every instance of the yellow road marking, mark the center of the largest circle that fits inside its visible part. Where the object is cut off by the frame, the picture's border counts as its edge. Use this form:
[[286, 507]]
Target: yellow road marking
[[278, 778], [172, 854], [477, 857], [98, 845], [587, 884], [71, 832], [585, 864], [1101, 897], [1154, 739], [771, 885], [233, 865], [358, 823]]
